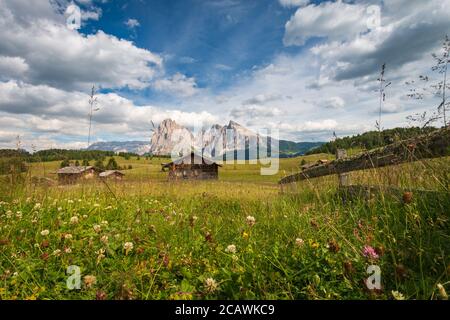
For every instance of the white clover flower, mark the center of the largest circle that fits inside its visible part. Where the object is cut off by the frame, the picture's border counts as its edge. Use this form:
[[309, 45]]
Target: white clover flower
[[57, 252], [59, 209], [37, 206], [210, 285], [67, 236], [128, 246], [299, 242], [231, 248], [97, 228], [251, 221], [74, 220], [68, 250], [45, 232], [9, 214], [104, 222]]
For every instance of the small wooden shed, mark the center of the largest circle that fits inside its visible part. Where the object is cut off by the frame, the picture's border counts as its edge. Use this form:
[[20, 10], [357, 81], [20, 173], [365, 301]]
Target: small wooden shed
[[74, 174], [112, 175], [193, 166]]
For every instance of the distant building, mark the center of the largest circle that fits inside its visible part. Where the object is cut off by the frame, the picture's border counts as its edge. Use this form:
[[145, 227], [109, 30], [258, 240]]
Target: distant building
[[112, 175], [193, 167], [74, 174]]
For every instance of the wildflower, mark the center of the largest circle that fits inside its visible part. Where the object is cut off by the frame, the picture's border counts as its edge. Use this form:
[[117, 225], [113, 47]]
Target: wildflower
[[104, 239], [211, 285], [45, 232], [251, 221], [67, 250], [59, 209], [315, 245], [37, 206], [85, 216], [128, 246], [19, 214], [407, 197], [208, 237], [231, 248], [67, 236], [442, 294], [348, 268], [104, 222], [370, 252], [57, 252], [100, 254], [97, 228], [74, 220], [397, 295], [100, 295], [245, 235], [333, 246], [89, 280], [299, 242], [9, 214]]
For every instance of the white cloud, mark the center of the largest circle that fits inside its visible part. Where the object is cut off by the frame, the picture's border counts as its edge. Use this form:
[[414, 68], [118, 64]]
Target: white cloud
[[12, 67], [132, 23], [333, 20], [254, 112], [333, 103], [178, 84], [64, 58], [293, 3]]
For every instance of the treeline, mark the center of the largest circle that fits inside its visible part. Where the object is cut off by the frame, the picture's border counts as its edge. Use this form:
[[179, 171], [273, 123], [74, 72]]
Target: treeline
[[371, 139], [61, 154]]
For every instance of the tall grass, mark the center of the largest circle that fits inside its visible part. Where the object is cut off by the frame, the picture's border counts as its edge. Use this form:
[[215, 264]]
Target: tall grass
[[307, 242]]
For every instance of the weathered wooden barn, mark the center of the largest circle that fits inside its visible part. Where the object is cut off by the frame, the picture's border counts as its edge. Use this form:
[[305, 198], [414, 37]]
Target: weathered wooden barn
[[74, 174], [193, 167], [112, 175]]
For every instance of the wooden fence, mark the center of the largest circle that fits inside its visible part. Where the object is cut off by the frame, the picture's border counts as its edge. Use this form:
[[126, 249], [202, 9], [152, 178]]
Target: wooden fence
[[434, 145]]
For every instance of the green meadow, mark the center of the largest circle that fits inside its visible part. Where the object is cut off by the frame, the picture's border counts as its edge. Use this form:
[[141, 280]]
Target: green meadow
[[240, 237]]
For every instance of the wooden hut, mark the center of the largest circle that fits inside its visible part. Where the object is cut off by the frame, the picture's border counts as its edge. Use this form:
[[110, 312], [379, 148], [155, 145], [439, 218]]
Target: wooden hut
[[74, 174], [193, 166], [111, 175]]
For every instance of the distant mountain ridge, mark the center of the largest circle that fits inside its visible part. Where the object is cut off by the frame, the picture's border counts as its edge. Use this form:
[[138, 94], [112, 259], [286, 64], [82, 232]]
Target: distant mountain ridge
[[170, 135]]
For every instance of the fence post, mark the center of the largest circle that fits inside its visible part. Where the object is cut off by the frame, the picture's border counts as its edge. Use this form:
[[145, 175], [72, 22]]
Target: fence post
[[344, 179]]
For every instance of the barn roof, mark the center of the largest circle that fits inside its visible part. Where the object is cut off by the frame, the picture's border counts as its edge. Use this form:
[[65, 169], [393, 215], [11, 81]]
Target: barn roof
[[108, 173], [193, 158], [74, 169]]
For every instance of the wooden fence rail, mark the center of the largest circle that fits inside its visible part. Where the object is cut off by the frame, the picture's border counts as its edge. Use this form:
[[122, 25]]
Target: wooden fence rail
[[433, 145]]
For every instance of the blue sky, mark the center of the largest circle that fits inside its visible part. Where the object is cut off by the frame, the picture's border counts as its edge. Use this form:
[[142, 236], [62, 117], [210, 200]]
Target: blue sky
[[306, 68], [213, 41]]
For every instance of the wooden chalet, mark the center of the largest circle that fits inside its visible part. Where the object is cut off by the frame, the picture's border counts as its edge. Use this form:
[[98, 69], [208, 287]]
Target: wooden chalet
[[73, 174], [193, 167]]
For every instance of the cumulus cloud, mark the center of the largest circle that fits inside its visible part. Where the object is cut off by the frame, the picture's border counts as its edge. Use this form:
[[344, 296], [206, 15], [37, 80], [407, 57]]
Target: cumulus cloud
[[132, 23], [64, 58], [178, 85], [254, 111], [333, 20], [333, 103], [262, 99]]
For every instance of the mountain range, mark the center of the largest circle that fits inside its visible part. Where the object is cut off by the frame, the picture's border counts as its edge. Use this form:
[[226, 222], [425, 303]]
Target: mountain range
[[212, 141]]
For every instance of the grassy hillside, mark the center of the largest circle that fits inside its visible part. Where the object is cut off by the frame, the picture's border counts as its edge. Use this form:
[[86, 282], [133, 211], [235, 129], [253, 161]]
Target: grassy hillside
[[239, 237]]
